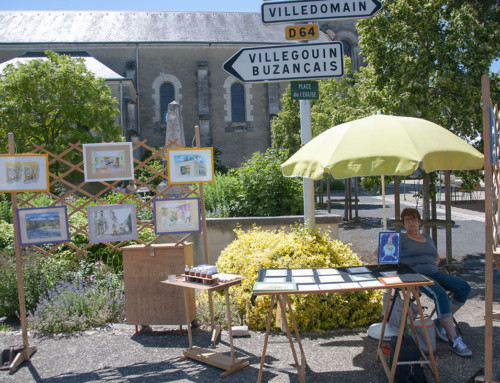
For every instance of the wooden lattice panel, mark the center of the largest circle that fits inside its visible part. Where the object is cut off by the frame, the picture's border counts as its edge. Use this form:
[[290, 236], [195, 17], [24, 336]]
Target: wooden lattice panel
[[495, 216], [65, 179]]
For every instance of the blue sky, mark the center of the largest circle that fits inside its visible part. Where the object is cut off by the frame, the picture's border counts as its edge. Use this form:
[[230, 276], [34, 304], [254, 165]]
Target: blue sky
[[134, 5], [146, 5]]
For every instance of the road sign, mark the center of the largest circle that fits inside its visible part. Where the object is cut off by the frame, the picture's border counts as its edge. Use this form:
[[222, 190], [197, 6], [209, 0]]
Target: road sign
[[302, 32], [288, 11], [304, 90], [287, 62]]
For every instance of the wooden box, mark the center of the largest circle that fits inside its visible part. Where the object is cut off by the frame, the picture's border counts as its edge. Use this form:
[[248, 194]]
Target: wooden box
[[149, 302]]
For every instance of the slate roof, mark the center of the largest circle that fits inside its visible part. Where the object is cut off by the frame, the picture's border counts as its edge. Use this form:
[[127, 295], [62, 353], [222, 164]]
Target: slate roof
[[93, 65], [132, 26]]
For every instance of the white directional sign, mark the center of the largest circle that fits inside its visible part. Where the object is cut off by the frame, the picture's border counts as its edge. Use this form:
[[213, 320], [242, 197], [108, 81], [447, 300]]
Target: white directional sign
[[289, 11], [287, 62]]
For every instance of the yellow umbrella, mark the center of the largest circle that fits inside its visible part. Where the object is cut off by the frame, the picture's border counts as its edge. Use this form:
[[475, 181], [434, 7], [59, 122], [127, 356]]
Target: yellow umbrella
[[382, 145]]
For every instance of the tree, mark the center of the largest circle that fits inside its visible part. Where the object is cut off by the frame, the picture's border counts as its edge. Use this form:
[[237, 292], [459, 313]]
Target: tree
[[428, 56], [340, 100], [54, 101]]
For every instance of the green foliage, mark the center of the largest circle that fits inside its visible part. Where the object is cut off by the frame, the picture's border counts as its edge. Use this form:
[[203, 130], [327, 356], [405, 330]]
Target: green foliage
[[218, 166], [337, 185], [146, 175], [6, 238], [302, 248], [220, 194], [373, 184], [427, 58], [54, 101], [92, 297], [256, 189], [285, 127], [340, 100], [5, 207], [39, 274]]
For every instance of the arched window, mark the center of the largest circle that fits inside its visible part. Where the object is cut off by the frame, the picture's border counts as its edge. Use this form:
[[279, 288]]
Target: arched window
[[167, 95], [238, 103], [346, 45]]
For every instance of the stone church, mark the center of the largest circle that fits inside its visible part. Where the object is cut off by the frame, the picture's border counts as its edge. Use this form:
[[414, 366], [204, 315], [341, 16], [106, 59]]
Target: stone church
[[150, 59]]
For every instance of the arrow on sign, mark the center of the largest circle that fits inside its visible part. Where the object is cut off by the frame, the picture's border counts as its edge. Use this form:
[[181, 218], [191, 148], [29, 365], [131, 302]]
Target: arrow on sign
[[287, 62], [287, 11]]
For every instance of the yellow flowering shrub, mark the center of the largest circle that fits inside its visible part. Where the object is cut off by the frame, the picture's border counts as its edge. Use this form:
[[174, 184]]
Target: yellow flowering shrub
[[257, 249]]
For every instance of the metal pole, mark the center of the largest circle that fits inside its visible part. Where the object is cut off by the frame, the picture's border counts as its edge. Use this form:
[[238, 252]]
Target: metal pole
[[308, 183]]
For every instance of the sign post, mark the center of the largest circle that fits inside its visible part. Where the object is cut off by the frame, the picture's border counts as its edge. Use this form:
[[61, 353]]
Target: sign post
[[300, 61]]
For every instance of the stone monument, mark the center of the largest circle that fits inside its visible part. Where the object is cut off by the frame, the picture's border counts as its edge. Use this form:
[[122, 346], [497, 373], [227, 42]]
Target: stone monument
[[174, 131]]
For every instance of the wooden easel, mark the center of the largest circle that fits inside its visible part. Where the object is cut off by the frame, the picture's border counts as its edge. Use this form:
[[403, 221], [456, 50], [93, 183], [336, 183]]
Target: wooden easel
[[28, 350], [492, 225]]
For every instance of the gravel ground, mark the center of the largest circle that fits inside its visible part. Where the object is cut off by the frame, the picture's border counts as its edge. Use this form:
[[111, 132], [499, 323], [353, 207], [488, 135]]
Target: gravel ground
[[118, 354]]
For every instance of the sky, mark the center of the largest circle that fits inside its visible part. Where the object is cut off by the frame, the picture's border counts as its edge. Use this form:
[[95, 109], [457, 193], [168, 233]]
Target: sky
[[146, 5]]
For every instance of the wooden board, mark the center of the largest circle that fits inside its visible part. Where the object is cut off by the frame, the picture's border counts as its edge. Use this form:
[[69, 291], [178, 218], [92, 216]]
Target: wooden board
[[215, 359], [147, 300]]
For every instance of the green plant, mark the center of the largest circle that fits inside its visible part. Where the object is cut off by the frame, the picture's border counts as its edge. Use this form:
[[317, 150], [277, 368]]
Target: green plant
[[5, 207], [6, 238], [39, 274], [301, 248], [337, 185], [220, 194], [256, 189], [92, 297]]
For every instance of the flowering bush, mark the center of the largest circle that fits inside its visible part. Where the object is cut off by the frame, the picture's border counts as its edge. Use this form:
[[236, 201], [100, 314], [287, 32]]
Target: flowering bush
[[39, 275], [302, 248], [93, 297]]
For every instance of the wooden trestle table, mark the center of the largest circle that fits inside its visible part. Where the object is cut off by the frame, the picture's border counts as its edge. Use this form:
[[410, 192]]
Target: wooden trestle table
[[211, 357], [410, 290]]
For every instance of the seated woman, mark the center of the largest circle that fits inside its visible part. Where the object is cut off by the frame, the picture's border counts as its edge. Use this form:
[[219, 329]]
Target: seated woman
[[419, 251]]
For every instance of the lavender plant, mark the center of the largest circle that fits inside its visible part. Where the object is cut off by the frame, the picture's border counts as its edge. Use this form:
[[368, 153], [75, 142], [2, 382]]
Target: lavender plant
[[92, 298]]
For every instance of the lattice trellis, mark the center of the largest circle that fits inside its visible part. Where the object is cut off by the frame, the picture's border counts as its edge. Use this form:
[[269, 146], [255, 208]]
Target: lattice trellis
[[73, 190], [495, 216]]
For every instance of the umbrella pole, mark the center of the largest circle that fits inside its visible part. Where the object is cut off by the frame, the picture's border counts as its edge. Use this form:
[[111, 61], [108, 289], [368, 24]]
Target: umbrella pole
[[384, 220]]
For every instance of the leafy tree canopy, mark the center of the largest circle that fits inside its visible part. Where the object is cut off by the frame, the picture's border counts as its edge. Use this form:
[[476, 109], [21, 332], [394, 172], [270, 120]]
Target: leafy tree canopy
[[428, 56], [54, 101], [340, 100]]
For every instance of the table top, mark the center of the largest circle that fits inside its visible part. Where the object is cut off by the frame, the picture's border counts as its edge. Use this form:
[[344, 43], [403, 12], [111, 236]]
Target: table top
[[341, 279], [181, 282]]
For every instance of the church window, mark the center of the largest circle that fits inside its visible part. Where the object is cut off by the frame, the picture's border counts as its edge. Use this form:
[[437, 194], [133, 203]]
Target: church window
[[167, 95], [238, 103]]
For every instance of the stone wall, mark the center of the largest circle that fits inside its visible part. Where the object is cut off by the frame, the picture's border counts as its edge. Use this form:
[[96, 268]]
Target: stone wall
[[220, 231]]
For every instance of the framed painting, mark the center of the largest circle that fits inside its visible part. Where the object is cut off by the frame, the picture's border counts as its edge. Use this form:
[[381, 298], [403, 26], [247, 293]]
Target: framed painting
[[177, 215], [389, 246], [108, 162], [110, 223], [24, 172], [187, 166], [41, 225]]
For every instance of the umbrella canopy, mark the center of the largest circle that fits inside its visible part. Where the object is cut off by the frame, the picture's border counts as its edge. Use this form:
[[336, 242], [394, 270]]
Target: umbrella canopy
[[382, 145]]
